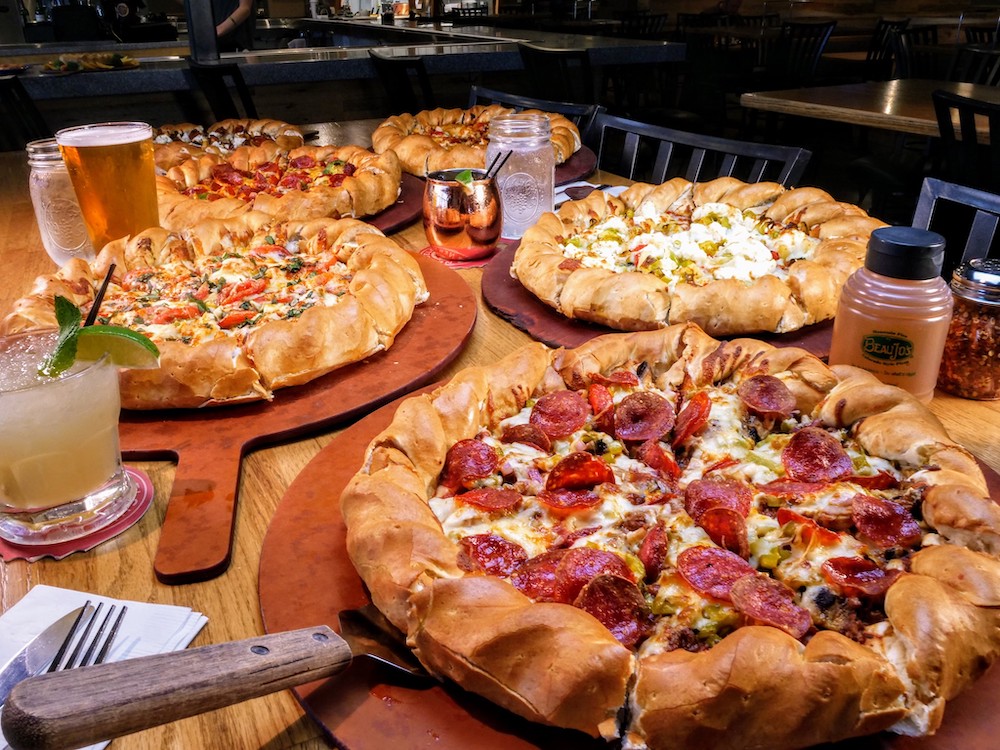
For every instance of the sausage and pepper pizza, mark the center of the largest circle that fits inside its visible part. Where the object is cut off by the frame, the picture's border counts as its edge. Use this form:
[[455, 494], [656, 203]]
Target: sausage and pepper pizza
[[457, 138], [309, 182], [174, 144], [679, 542], [731, 256], [242, 307]]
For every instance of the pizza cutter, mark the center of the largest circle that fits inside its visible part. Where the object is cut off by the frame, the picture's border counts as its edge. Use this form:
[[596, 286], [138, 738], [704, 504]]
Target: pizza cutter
[[81, 706]]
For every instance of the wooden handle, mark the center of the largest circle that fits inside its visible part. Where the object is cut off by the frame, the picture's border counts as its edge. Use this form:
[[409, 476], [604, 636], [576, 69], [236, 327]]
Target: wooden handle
[[81, 706]]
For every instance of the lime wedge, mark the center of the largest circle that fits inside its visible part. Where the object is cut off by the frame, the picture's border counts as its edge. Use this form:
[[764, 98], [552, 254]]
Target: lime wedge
[[465, 177], [126, 347]]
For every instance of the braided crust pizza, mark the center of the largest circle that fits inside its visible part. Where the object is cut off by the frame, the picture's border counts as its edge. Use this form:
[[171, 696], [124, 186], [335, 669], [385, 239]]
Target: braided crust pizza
[[242, 307], [457, 138], [683, 543], [309, 182], [731, 256], [174, 144]]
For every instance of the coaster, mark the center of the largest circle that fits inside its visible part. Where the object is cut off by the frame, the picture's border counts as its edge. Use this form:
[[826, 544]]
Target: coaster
[[478, 262], [143, 499]]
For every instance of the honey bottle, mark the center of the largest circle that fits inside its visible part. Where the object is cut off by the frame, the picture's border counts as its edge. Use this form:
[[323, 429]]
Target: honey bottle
[[893, 315]]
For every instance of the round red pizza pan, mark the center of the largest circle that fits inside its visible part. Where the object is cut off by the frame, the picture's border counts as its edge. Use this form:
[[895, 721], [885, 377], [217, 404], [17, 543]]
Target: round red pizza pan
[[306, 578]]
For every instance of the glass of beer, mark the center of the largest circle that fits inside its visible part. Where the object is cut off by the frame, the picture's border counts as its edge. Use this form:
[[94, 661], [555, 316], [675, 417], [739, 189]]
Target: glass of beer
[[111, 166], [462, 219], [61, 475]]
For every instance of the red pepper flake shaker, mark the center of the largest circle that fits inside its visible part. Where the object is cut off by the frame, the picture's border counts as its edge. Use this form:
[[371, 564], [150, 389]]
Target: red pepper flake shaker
[[971, 364]]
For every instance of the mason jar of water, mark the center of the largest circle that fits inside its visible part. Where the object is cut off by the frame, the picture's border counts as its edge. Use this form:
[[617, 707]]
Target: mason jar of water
[[527, 177], [60, 223]]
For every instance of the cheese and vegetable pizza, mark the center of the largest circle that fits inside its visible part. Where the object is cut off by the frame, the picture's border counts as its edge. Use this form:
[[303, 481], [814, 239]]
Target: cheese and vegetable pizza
[[674, 542], [174, 144], [730, 256], [243, 307], [457, 138], [306, 183]]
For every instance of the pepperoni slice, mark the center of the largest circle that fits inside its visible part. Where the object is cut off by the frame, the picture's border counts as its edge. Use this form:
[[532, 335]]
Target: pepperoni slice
[[559, 575], [711, 570], [526, 433], [814, 455], [810, 532], [579, 471], [569, 501], [727, 528], [857, 576], [702, 495], [643, 416], [656, 457], [765, 601], [618, 605], [570, 264], [490, 554], [560, 413], [653, 551], [693, 417], [466, 461], [881, 481], [599, 397], [791, 488], [491, 499], [567, 539], [767, 397], [536, 577], [625, 378], [883, 522]]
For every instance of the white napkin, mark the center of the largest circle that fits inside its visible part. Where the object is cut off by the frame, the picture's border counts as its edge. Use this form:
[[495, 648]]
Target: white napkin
[[147, 628]]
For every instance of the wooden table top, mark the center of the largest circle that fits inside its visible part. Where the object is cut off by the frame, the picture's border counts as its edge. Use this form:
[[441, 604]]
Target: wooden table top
[[123, 567], [902, 105]]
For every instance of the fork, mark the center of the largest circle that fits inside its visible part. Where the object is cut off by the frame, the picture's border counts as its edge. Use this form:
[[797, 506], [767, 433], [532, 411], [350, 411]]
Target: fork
[[95, 644]]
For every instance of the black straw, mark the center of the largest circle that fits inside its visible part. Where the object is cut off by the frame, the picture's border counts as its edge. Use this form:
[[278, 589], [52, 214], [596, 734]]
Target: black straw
[[495, 167], [92, 315]]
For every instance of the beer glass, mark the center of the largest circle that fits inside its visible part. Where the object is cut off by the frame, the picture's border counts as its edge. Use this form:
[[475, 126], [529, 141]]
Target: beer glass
[[111, 166], [61, 475], [462, 221]]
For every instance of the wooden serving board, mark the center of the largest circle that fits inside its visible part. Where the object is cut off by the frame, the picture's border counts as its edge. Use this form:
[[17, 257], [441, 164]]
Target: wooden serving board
[[511, 301], [579, 165], [208, 444], [306, 578]]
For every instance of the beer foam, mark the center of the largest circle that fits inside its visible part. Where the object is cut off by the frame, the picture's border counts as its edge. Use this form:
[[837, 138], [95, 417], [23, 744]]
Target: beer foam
[[106, 134]]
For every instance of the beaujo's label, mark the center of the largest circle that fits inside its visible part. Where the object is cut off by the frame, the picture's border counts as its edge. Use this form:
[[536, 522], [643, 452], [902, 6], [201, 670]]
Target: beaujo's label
[[886, 348]]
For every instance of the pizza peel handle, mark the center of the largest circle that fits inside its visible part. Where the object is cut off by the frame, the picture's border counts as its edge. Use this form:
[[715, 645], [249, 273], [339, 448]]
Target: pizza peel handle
[[85, 705]]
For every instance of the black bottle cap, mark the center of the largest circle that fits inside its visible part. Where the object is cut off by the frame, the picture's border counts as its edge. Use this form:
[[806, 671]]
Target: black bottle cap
[[905, 253]]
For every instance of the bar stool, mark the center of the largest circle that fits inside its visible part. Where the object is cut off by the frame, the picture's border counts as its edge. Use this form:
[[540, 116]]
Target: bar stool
[[22, 122], [405, 80], [214, 81]]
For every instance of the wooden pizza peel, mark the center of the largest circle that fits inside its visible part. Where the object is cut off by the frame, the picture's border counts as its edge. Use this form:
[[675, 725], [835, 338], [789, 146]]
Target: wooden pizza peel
[[208, 444]]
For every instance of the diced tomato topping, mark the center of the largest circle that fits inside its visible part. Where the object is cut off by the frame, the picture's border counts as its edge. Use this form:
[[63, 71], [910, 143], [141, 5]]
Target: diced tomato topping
[[599, 397], [164, 315], [233, 292], [811, 531], [692, 418], [234, 319]]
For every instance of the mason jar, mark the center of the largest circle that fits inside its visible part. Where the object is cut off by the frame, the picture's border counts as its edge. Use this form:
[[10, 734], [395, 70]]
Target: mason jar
[[971, 364], [527, 177], [60, 222]]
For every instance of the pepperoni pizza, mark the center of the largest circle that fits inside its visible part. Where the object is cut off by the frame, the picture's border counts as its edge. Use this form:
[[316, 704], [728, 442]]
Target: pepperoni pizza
[[730, 256], [457, 138], [174, 144], [679, 542], [309, 182]]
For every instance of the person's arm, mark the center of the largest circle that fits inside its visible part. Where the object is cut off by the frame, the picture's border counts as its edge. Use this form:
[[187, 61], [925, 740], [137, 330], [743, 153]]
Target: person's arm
[[234, 19]]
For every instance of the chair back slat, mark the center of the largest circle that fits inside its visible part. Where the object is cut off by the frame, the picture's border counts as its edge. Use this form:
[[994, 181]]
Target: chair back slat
[[968, 158], [559, 74], [967, 217], [582, 115]]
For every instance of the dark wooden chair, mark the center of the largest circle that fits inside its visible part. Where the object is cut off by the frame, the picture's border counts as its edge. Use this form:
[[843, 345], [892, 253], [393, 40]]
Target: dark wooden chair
[[916, 54], [582, 115], [627, 148], [792, 60], [983, 35], [558, 74], [216, 82], [19, 115], [976, 64], [405, 80], [967, 218], [879, 57], [643, 26], [968, 158]]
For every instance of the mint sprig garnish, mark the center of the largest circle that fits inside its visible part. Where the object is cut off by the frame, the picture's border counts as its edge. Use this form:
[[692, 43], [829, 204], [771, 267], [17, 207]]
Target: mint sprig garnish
[[465, 177], [64, 355]]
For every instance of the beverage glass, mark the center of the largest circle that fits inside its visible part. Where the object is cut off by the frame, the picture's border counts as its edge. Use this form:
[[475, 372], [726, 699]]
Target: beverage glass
[[527, 177], [462, 222], [111, 165], [61, 475], [57, 212]]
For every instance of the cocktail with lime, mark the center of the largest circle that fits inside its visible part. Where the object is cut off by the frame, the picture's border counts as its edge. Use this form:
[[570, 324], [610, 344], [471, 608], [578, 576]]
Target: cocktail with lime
[[61, 475]]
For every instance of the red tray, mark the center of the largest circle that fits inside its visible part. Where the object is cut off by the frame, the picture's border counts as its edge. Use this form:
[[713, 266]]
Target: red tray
[[208, 444], [579, 165], [306, 578], [511, 301], [407, 208]]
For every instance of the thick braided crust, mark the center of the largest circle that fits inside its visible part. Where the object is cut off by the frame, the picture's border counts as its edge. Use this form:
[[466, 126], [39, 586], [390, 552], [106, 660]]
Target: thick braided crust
[[177, 143], [373, 187], [385, 285], [634, 301], [420, 153], [757, 688]]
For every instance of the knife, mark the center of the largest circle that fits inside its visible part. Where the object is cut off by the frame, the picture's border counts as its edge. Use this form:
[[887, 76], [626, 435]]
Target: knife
[[85, 705], [37, 654]]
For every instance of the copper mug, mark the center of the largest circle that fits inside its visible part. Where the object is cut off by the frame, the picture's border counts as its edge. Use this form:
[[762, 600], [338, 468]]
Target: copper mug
[[462, 220]]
